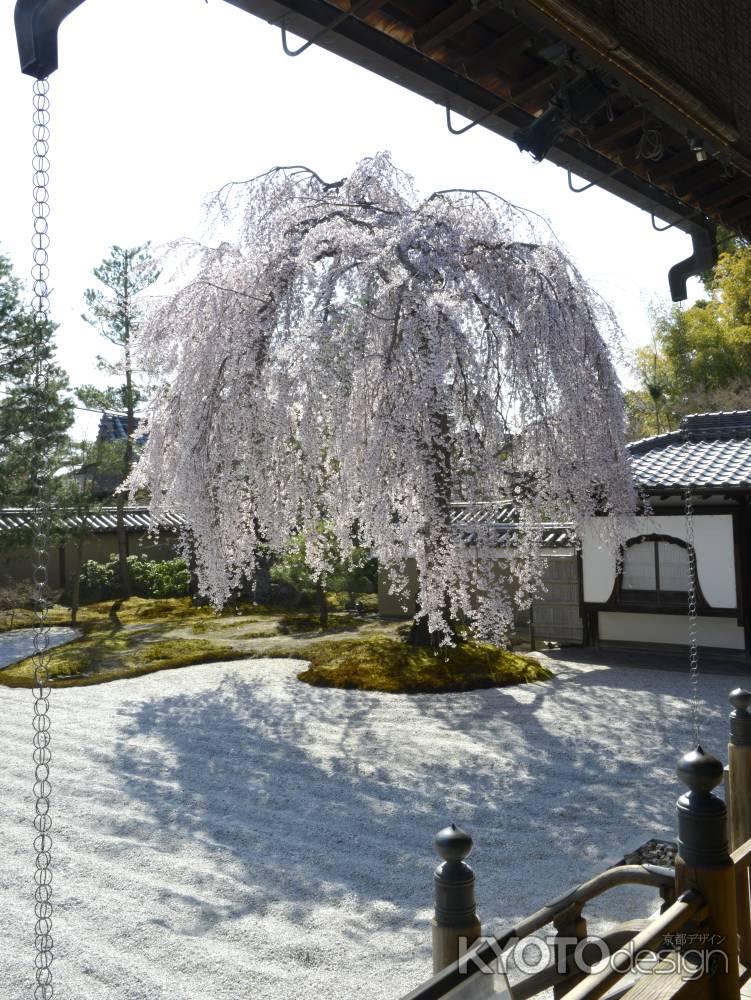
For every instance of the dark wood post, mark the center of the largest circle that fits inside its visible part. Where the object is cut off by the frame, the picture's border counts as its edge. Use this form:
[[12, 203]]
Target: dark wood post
[[738, 796], [739, 768], [532, 643], [455, 925], [703, 863], [570, 929]]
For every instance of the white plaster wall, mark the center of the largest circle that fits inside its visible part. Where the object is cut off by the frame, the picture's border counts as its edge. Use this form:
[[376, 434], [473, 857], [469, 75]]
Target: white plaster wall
[[721, 633], [715, 560]]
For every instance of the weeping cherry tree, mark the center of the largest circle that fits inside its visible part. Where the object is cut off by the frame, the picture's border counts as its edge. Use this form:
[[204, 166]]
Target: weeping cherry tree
[[358, 356]]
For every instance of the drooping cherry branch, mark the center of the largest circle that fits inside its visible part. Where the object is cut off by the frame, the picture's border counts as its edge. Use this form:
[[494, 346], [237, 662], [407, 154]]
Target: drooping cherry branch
[[356, 354]]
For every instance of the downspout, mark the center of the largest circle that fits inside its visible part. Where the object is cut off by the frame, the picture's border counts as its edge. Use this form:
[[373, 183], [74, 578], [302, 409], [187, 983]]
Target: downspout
[[703, 258], [37, 23]]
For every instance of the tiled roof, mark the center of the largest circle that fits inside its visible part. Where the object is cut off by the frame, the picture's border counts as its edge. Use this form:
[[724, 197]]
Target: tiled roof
[[709, 451], [114, 427], [504, 517], [104, 521]]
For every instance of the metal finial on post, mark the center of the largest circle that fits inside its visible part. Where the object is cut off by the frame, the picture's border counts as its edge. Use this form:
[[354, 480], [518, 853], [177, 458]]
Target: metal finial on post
[[703, 863], [740, 717], [455, 922], [702, 817]]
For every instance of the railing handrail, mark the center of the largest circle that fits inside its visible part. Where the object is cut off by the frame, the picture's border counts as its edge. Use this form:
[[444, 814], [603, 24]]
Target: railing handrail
[[485, 952], [741, 856], [688, 905]]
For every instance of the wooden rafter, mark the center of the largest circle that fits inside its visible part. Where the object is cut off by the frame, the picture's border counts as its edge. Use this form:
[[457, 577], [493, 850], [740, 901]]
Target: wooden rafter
[[455, 18], [493, 55]]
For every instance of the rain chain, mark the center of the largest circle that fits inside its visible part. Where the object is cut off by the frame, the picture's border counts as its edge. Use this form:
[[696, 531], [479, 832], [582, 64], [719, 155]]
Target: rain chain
[[40, 530]]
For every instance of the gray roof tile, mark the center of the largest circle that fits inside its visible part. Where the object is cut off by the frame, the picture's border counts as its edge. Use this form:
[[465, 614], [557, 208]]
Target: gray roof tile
[[709, 451], [504, 518], [104, 521]]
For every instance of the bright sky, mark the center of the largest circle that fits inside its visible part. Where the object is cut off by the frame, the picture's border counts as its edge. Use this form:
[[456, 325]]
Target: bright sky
[[158, 102]]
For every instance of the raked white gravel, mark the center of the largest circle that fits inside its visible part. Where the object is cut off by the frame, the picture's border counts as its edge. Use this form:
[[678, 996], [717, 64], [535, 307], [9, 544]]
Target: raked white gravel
[[226, 832], [18, 643]]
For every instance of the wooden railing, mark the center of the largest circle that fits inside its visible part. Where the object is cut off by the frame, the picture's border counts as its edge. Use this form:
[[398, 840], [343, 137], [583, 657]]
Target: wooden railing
[[689, 906], [708, 895], [562, 912], [741, 859]]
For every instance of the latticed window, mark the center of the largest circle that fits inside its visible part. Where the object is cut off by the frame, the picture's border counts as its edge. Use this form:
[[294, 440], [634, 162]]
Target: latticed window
[[656, 572]]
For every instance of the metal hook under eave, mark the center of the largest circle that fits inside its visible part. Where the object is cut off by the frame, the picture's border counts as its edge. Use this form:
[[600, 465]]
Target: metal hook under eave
[[577, 190], [660, 229], [339, 19], [37, 23], [477, 121]]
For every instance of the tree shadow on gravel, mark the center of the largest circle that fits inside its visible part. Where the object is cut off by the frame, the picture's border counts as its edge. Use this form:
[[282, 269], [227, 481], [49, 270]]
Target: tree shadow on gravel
[[307, 797]]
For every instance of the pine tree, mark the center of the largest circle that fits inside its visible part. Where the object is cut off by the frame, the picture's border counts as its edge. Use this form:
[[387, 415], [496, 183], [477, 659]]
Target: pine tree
[[116, 312], [20, 402]]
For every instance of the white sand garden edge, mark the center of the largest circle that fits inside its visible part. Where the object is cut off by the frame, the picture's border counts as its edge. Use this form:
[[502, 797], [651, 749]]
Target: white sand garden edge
[[225, 831], [18, 643]]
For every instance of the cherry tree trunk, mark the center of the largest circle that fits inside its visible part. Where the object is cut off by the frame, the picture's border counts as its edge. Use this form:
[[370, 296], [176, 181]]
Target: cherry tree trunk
[[440, 461], [323, 606]]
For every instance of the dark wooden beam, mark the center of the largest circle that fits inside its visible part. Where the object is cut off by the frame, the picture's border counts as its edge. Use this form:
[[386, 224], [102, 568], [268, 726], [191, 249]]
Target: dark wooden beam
[[535, 81], [727, 193], [493, 55], [666, 169], [620, 126], [705, 173], [738, 212], [367, 8], [450, 22]]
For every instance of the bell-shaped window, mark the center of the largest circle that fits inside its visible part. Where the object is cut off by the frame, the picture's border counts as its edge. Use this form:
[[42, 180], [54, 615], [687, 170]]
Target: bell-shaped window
[[655, 571]]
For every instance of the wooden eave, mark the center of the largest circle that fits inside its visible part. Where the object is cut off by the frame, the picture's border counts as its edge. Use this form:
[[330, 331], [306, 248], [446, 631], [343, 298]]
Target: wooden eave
[[504, 62]]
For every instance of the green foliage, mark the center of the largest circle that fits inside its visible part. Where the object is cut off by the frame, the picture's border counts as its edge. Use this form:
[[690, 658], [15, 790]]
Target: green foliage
[[21, 404], [98, 578], [380, 663], [124, 274], [115, 309], [700, 358], [352, 577], [148, 577], [164, 578]]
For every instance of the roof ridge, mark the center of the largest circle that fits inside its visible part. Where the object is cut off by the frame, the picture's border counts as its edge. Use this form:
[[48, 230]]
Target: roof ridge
[[656, 440]]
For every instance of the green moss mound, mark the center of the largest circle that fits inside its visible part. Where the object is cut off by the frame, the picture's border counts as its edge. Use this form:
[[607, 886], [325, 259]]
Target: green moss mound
[[134, 611], [130, 638], [379, 663], [293, 624], [96, 659]]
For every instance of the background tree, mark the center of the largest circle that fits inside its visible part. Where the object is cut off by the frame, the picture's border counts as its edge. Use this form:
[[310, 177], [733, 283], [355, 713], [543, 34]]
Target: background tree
[[700, 358], [358, 354], [649, 407], [78, 498], [353, 576], [116, 311], [20, 403]]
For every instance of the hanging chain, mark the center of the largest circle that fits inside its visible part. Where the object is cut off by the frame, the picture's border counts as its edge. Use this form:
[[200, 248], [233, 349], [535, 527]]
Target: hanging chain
[[693, 639], [40, 530]]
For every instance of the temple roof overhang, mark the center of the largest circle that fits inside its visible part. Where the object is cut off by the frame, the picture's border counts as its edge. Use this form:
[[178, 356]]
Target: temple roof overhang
[[650, 101]]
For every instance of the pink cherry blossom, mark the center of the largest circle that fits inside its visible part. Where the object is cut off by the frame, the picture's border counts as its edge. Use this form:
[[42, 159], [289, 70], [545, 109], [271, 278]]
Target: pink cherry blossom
[[357, 354]]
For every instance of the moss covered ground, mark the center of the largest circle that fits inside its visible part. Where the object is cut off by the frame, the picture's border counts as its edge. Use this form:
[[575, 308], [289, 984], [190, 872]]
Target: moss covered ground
[[384, 663], [130, 638]]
